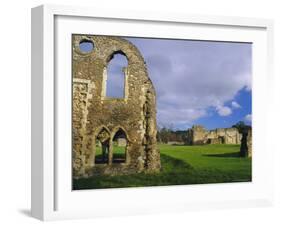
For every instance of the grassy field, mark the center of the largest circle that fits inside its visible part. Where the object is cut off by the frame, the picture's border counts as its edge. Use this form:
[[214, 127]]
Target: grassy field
[[183, 165]]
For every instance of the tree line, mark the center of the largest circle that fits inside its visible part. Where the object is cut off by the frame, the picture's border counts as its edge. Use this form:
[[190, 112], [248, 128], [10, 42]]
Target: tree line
[[167, 134]]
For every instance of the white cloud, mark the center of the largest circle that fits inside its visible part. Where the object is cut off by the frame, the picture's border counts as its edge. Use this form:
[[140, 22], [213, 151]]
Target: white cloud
[[248, 118], [178, 116], [190, 79], [224, 110], [235, 105]]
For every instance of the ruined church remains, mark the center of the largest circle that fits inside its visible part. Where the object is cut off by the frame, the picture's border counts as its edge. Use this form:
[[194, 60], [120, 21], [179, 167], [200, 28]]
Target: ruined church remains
[[101, 123], [99, 120], [199, 135]]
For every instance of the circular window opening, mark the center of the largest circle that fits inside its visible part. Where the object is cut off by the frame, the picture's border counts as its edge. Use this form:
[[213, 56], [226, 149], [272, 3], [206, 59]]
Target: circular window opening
[[86, 46]]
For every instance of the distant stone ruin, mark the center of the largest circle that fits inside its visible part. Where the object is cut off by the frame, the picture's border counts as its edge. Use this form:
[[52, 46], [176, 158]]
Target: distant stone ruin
[[99, 120], [121, 142], [198, 135]]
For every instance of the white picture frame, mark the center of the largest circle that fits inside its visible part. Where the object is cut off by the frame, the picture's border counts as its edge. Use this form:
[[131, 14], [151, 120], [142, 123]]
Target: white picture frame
[[52, 197]]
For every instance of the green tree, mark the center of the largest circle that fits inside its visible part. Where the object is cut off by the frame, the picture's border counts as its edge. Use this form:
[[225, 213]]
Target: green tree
[[242, 127]]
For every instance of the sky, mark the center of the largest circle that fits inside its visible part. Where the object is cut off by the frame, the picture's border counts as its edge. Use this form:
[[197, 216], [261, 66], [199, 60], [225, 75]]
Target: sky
[[196, 82]]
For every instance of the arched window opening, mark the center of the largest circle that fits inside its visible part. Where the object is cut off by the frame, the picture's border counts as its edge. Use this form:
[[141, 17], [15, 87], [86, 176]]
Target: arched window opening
[[102, 147], [115, 84], [120, 143]]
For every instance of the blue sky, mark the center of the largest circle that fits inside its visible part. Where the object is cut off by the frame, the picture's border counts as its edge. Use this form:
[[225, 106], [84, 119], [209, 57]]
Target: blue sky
[[115, 76], [197, 82], [238, 113]]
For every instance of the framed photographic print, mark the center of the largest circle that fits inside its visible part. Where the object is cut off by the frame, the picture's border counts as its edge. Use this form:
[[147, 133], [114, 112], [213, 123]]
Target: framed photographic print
[[142, 113]]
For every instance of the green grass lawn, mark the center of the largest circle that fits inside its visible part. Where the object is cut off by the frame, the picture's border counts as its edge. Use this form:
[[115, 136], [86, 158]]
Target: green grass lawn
[[182, 165]]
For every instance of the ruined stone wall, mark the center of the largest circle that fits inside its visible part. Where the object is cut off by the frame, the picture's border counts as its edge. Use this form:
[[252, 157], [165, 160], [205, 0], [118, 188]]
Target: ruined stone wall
[[225, 135], [199, 135], [246, 143], [249, 143], [121, 142], [93, 112]]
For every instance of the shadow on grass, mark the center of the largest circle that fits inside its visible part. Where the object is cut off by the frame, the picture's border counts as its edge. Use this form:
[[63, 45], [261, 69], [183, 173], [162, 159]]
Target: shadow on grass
[[173, 172], [180, 145], [225, 155], [117, 158]]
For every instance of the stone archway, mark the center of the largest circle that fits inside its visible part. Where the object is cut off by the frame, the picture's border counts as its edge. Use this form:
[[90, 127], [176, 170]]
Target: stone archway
[[120, 144], [103, 116], [102, 145]]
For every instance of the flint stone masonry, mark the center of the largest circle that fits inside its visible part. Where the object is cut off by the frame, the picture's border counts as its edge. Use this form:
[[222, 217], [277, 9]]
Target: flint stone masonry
[[97, 118], [199, 135], [249, 143], [246, 143]]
